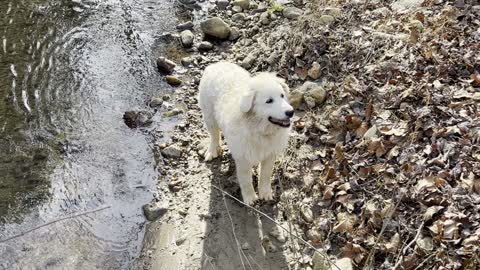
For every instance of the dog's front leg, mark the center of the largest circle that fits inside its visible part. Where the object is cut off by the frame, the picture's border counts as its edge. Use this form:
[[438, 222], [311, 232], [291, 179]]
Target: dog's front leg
[[244, 176], [264, 183]]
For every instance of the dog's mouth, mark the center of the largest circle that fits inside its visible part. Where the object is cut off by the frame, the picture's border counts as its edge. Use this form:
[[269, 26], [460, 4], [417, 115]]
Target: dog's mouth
[[279, 122]]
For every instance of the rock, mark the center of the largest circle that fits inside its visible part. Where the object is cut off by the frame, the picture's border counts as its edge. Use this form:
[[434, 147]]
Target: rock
[[185, 26], [307, 214], [244, 4], [186, 61], [279, 234], [234, 34], [205, 46], [326, 19], [134, 119], [172, 80], [165, 65], [264, 18], [172, 112], [187, 38], [154, 210], [156, 101], [222, 4], [314, 71], [215, 27], [334, 12], [296, 98], [237, 9], [343, 264], [248, 61], [314, 94], [246, 246], [292, 13], [239, 17], [172, 151], [180, 241], [321, 261], [261, 8], [402, 5]]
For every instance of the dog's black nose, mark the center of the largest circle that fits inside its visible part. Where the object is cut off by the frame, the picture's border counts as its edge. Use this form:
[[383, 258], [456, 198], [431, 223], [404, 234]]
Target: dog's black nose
[[289, 113]]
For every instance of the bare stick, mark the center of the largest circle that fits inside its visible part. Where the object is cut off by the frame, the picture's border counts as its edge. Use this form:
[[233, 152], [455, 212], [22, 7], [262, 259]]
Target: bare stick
[[272, 220], [234, 234], [55, 221], [424, 261], [404, 250]]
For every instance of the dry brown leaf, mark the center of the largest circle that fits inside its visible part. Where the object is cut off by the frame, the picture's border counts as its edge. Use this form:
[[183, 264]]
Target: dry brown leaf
[[432, 210], [329, 174], [354, 251], [394, 244], [339, 153], [425, 243], [328, 193], [360, 131], [345, 222], [398, 130], [370, 133]]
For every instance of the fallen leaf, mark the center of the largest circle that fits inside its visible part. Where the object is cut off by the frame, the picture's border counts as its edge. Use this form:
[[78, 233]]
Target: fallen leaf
[[394, 244], [345, 222]]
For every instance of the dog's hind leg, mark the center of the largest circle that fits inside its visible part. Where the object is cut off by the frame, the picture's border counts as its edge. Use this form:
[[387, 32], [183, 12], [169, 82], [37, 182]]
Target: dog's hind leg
[[214, 148], [244, 178], [264, 183]]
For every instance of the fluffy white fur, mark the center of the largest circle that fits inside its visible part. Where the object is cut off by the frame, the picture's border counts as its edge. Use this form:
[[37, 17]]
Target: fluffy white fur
[[254, 115]]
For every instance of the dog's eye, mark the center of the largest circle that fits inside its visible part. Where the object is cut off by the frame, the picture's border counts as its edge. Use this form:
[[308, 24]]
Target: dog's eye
[[281, 95], [270, 100]]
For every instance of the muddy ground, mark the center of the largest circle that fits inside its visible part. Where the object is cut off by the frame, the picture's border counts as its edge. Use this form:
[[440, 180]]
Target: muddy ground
[[382, 171]]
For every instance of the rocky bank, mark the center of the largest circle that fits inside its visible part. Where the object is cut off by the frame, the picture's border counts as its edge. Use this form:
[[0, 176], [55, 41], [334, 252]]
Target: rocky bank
[[382, 170]]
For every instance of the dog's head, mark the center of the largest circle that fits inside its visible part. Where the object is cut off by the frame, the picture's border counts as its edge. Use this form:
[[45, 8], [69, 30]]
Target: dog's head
[[267, 100]]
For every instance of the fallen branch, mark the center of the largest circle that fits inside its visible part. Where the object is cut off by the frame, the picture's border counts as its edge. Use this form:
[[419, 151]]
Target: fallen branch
[[278, 224], [55, 221], [404, 250]]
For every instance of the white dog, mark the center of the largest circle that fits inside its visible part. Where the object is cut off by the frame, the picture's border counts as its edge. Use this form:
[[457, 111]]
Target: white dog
[[254, 115]]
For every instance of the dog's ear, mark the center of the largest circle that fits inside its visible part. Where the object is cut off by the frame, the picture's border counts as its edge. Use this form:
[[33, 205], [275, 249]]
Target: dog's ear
[[246, 102], [283, 84]]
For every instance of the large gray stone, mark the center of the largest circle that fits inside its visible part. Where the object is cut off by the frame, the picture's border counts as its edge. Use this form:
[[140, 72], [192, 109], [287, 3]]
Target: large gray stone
[[292, 13], [215, 27], [244, 4], [172, 151]]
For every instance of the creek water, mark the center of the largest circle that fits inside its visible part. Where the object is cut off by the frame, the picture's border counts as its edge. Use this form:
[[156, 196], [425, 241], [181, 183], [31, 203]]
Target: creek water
[[69, 69]]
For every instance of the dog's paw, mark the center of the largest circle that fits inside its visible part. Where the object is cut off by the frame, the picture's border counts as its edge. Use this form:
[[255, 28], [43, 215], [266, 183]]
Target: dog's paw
[[249, 199], [265, 194]]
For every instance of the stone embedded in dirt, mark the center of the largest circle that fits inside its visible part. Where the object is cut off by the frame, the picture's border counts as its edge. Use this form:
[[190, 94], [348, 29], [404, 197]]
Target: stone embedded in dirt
[[185, 26], [134, 119], [180, 241], [248, 61], [296, 98], [313, 94], [244, 4], [215, 27], [279, 234], [314, 71], [265, 18], [292, 13], [172, 151], [155, 102], [307, 214], [205, 46], [246, 246], [239, 17], [186, 61], [402, 5], [234, 34], [237, 9], [165, 65], [332, 11], [326, 19], [173, 80], [173, 112], [187, 37], [222, 4], [154, 210]]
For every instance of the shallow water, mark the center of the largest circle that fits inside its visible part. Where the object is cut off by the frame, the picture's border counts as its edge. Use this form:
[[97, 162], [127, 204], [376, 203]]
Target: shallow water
[[68, 71]]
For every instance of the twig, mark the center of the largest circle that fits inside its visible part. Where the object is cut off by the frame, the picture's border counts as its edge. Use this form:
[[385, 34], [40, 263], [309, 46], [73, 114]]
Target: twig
[[404, 250], [369, 260], [424, 261], [239, 248], [55, 221], [272, 220]]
